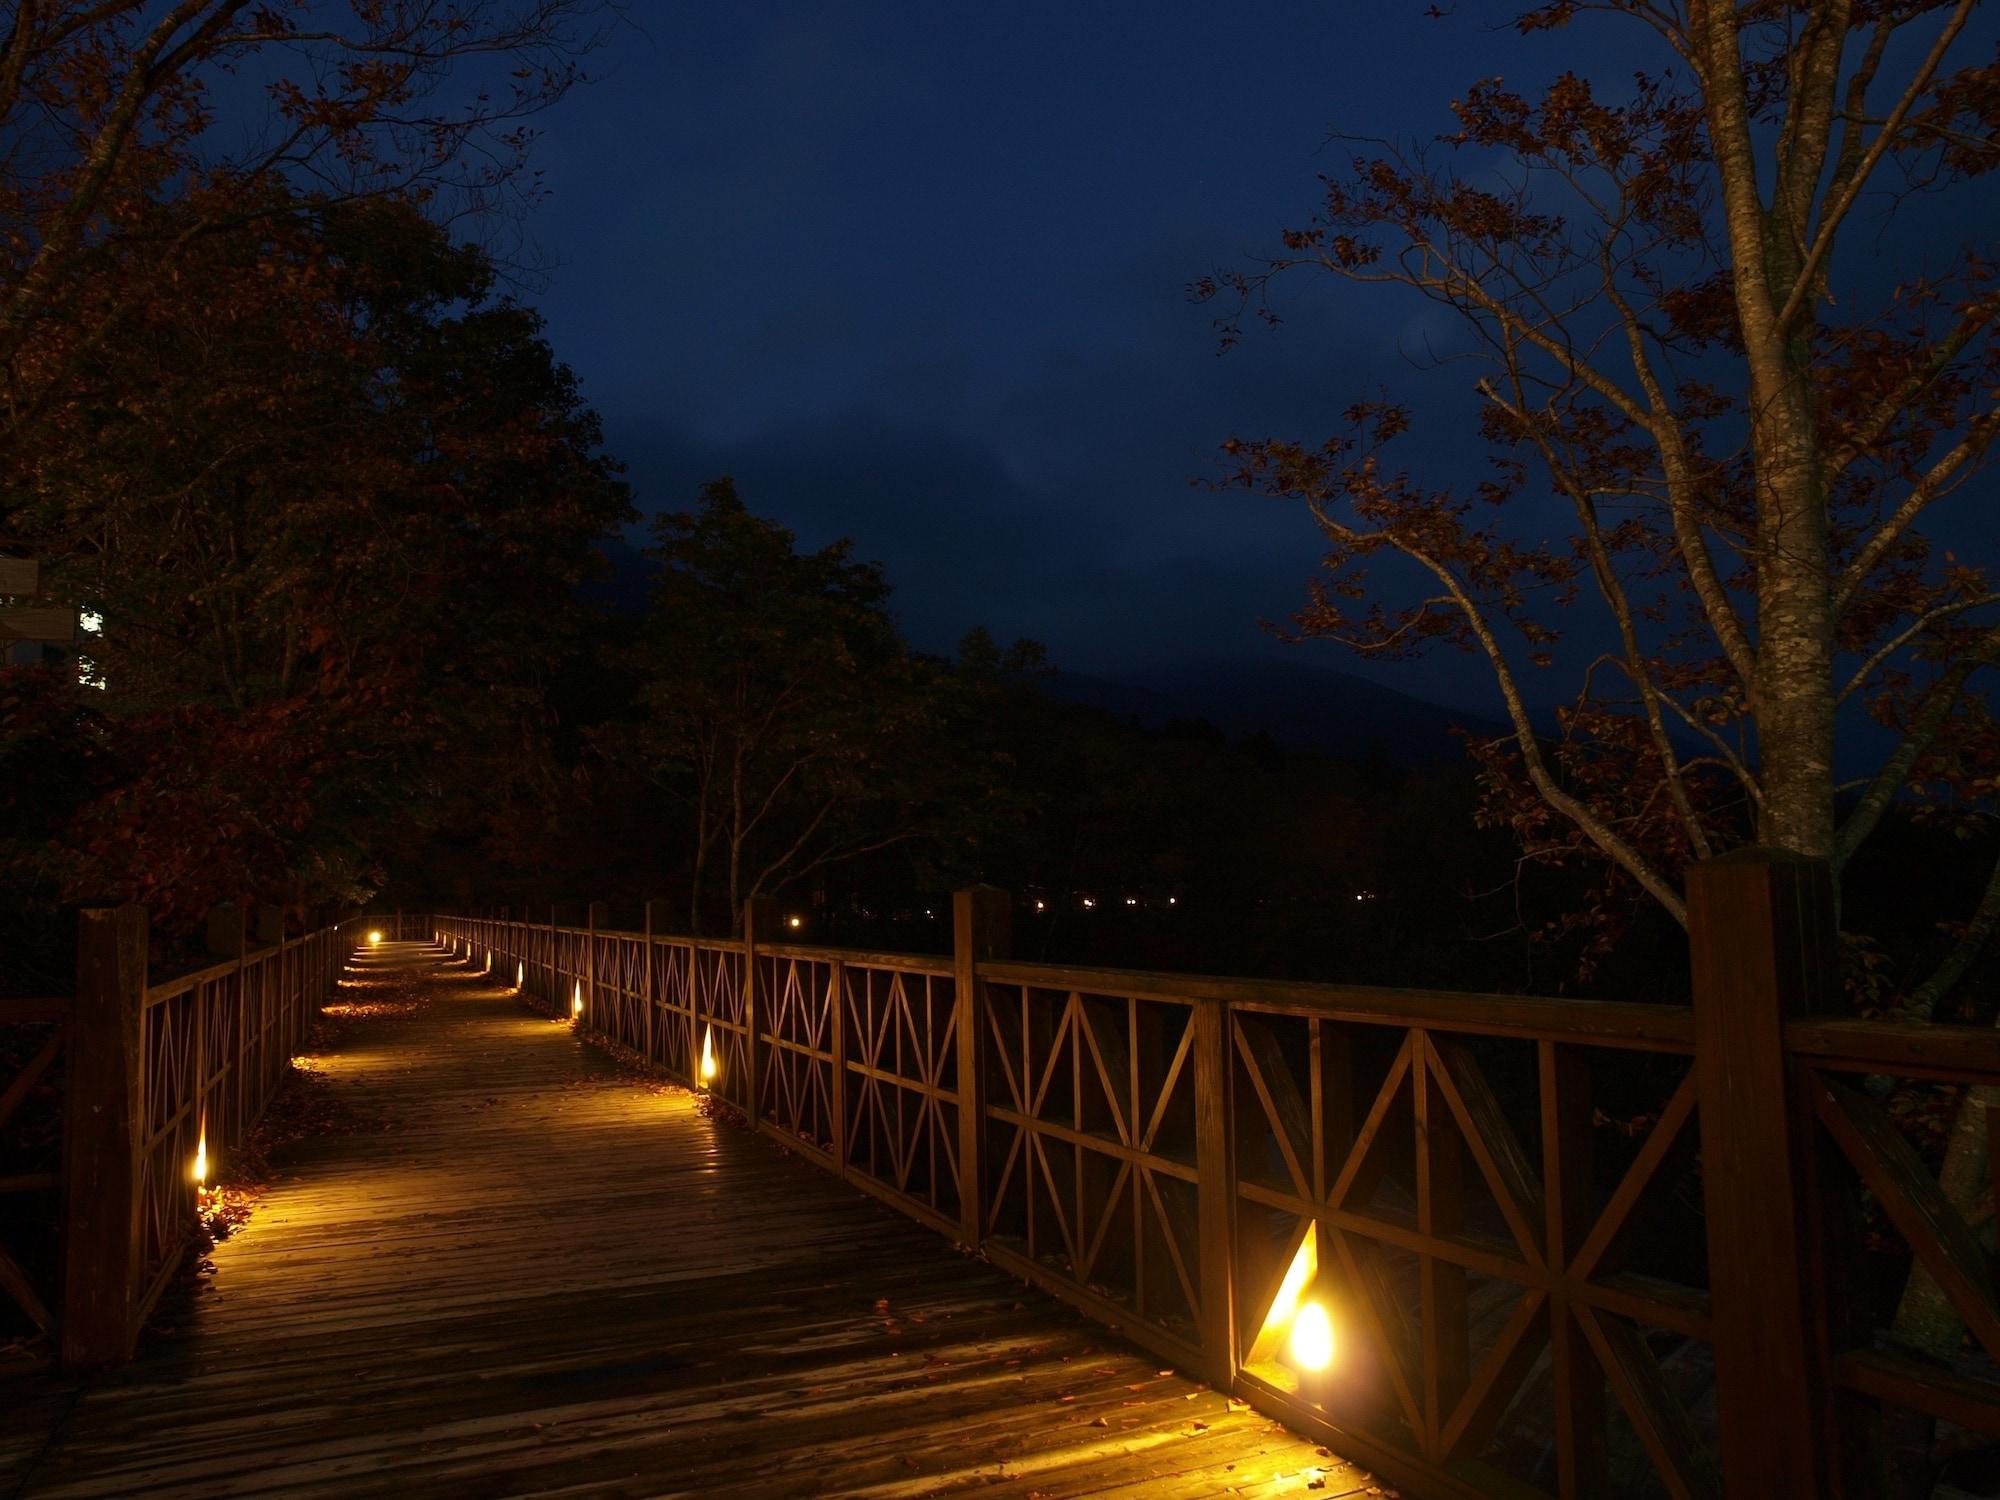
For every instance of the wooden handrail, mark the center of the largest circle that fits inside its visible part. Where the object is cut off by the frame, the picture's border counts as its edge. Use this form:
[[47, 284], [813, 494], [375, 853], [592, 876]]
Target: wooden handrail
[[1072, 1121], [1607, 1023], [1901, 1049]]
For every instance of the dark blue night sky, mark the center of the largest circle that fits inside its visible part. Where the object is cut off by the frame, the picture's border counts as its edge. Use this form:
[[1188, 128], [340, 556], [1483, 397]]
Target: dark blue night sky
[[915, 274]]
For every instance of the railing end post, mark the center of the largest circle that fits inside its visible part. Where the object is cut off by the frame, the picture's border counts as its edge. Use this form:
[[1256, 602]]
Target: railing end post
[[760, 924], [104, 1113], [1762, 952]]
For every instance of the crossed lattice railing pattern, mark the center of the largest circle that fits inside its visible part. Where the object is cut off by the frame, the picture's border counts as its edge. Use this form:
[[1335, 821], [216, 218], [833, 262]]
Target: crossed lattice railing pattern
[[858, 1066], [1093, 1177], [664, 997], [1505, 1202], [1500, 1311], [1871, 1185], [38, 1030], [214, 1046], [900, 1088]]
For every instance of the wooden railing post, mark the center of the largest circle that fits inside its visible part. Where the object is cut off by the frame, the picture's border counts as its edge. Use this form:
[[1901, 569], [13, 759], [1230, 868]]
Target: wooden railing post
[[104, 1112], [760, 921], [596, 919], [653, 909], [228, 937], [1761, 937], [1215, 1195], [274, 1006], [982, 927], [836, 1044]]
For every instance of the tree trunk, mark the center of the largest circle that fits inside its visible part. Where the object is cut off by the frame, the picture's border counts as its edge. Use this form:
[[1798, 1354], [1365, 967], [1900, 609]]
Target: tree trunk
[[1795, 708]]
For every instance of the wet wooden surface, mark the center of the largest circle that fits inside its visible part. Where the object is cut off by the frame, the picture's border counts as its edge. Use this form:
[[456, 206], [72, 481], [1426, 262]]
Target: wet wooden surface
[[526, 1272]]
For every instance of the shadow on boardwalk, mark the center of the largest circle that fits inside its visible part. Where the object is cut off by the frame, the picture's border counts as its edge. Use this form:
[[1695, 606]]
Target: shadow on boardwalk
[[531, 1275]]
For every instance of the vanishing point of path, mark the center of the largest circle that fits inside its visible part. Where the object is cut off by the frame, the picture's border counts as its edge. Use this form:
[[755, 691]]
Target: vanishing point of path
[[531, 1274]]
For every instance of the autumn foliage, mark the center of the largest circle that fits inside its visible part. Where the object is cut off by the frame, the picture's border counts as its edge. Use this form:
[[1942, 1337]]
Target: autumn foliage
[[1727, 452], [276, 430]]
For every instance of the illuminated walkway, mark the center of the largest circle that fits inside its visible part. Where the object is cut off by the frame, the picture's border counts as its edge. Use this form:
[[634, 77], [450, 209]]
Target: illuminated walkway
[[533, 1275]]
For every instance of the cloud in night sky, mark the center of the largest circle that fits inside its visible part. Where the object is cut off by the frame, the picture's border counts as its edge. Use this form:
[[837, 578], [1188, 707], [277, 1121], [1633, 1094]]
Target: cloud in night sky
[[916, 275]]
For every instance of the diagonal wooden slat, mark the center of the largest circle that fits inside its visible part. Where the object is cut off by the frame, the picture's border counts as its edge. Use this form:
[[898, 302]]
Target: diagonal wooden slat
[[1491, 1139], [30, 1074], [1936, 1232], [945, 1050], [1253, 1302], [1371, 1126], [1170, 1235], [1112, 1063], [944, 1121], [1040, 1156], [1176, 1067], [1113, 1202], [14, 1281], [916, 1059], [1498, 1378], [997, 1198], [1063, 1032], [1284, 1111], [1641, 1180], [1659, 1419], [1383, 1314], [1016, 1099]]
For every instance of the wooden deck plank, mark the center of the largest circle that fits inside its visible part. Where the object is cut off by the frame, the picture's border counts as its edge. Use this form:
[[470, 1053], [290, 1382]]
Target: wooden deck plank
[[532, 1275]]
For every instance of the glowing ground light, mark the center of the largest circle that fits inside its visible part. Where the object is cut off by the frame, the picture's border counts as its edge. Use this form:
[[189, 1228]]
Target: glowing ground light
[[201, 1158], [1297, 1335], [576, 999], [707, 1056], [794, 921], [374, 937], [520, 975], [1311, 1345]]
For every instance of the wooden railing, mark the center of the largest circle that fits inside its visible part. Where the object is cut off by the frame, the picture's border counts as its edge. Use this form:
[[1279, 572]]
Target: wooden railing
[[30, 1175], [1570, 1248], [155, 1076]]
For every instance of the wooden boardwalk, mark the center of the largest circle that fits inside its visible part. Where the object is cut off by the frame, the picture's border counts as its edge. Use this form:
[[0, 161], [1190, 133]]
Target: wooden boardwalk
[[531, 1274]]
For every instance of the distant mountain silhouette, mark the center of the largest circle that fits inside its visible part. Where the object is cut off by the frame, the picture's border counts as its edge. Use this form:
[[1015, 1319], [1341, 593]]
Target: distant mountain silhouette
[[1299, 706]]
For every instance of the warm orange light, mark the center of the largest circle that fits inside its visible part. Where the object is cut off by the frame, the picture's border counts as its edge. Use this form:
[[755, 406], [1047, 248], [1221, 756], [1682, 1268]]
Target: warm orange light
[[520, 975], [1297, 1335], [576, 999], [794, 921], [374, 937], [201, 1158], [707, 1056], [1311, 1345]]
